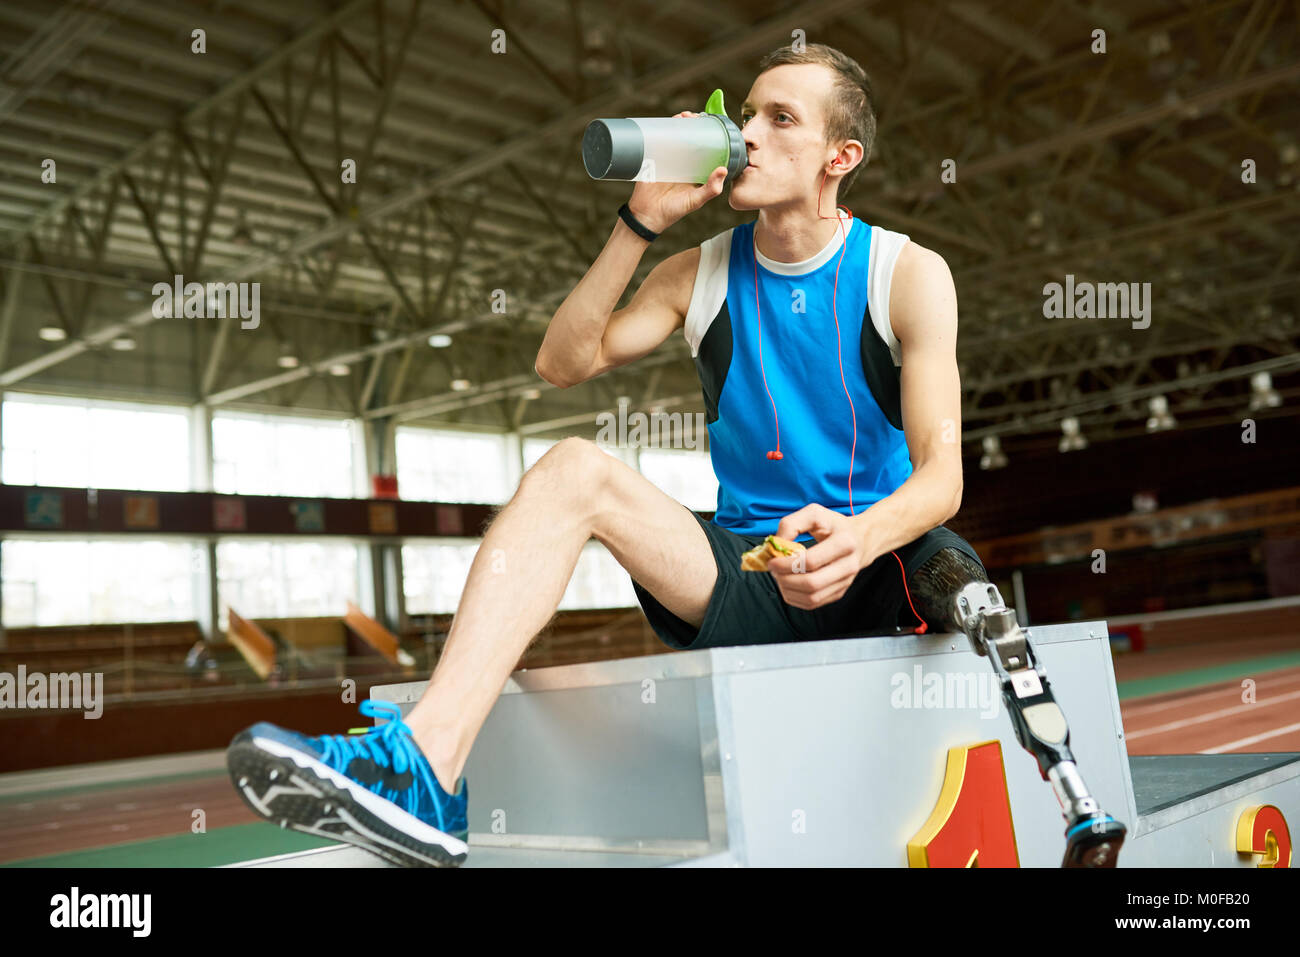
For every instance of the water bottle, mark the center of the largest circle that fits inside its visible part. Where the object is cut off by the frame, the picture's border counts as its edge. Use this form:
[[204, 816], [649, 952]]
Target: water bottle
[[657, 149]]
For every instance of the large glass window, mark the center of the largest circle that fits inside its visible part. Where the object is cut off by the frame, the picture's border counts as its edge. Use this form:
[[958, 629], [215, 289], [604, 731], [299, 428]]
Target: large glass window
[[101, 582], [686, 476], [435, 575], [286, 579], [282, 455], [436, 465], [534, 449], [599, 581], [85, 443]]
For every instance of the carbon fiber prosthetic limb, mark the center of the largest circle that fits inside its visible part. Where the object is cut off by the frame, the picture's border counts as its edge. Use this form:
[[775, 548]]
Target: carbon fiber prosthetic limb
[[952, 593]]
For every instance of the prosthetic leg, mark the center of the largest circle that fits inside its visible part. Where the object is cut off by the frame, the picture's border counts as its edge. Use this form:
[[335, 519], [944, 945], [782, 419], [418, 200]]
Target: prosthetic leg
[[1092, 837]]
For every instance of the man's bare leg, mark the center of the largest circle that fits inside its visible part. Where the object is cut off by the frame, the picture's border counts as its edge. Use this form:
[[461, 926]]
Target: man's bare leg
[[574, 493]]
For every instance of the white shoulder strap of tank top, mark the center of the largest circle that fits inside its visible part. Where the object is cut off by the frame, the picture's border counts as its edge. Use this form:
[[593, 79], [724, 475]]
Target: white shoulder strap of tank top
[[885, 247], [710, 290]]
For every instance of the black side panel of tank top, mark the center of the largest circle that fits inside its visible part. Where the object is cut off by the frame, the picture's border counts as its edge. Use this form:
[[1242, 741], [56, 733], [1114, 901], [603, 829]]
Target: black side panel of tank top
[[882, 375], [713, 360]]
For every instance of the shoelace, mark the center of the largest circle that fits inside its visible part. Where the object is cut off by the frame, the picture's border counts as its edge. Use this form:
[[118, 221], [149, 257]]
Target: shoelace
[[391, 739]]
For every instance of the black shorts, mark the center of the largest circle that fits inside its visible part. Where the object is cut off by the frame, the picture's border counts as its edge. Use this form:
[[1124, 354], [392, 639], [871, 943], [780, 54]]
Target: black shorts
[[746, 608]]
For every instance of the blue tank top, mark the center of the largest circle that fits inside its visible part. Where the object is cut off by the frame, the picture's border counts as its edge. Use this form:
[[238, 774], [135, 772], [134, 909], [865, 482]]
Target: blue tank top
[[803, 376]]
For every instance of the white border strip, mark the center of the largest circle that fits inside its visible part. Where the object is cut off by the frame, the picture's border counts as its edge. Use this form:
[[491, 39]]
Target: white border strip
[[110, 772], [1209, 611]]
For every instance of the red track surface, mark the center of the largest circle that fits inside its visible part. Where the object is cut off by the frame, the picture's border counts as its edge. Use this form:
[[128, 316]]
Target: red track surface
[[56, 824], [1215, 720]]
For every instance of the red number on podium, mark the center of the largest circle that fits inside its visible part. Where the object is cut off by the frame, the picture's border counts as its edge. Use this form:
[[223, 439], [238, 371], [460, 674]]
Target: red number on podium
[[1263, 830], [971, 825]]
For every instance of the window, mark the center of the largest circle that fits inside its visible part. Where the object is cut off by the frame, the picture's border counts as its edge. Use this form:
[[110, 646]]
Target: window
[[686, 476], [534, 449], [102, 582], [433, 576], [91, 444], [286, 580], [599, 581], [282, 455], [444, 466]]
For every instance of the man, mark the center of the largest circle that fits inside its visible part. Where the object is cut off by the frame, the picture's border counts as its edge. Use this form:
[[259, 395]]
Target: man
[[865, 463]]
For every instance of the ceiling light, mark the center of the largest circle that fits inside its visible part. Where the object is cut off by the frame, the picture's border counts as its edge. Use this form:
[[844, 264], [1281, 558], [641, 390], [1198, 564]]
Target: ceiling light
[[993, 457], [440, 340], [531, 394], [1145, 502], [1262, 393], [1071, 436], [287, 361], [123, 344], [1160, 419], [459, 385], [53, 333], [340, 368]]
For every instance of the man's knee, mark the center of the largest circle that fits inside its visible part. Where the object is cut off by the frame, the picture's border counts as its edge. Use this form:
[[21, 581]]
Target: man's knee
[[936, 583], [574, 468]]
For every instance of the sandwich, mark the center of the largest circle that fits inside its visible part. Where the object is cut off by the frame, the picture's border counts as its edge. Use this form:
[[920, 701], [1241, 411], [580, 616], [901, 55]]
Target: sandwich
[[756, 559]]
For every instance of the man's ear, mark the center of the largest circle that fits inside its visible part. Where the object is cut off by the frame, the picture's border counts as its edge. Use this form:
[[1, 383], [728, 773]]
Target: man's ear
[[839, 162]]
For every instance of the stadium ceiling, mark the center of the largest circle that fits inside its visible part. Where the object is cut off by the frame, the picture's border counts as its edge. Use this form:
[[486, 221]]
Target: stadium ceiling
[[471, 215]]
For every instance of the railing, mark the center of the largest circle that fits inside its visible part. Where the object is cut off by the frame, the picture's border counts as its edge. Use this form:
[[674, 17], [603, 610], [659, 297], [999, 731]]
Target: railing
[[142, 662], [146, 680], [1163, 527]]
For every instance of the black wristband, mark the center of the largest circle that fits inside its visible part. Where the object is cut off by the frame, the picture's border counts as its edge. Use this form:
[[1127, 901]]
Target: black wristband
[[635, 225]]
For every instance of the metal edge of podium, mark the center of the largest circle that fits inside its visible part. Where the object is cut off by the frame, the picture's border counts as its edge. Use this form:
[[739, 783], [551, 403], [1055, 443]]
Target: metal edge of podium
[[1201, 801]]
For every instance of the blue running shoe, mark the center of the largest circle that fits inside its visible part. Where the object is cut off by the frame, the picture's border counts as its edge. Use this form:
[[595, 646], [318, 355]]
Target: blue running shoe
[[375, 790]]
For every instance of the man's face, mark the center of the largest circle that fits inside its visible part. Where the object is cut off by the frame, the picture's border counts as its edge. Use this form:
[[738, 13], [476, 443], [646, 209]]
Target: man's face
[[783, 121]]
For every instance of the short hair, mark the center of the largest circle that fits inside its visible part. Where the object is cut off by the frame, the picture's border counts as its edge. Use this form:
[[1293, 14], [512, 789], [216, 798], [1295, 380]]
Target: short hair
[[850, 109]]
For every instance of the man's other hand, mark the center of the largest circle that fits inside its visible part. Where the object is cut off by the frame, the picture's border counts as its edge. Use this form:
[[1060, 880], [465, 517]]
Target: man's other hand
[[824, 572]]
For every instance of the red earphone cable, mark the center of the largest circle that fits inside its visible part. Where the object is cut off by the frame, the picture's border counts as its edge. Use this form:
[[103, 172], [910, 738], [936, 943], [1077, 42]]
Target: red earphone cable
[[839, 351], [903, 571], [776, 454]]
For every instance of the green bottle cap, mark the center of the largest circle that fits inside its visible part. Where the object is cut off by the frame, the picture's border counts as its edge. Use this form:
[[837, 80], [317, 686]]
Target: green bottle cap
[[735, 156]]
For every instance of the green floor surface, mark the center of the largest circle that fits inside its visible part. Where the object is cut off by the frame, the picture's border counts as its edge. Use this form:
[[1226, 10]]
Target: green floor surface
[[1215, 674], [222, 845]]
